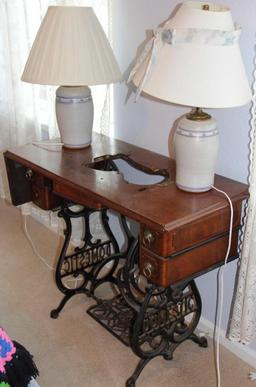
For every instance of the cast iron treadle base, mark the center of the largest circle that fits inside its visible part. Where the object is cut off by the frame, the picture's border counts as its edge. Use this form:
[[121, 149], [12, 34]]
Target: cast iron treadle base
[[116, 316]]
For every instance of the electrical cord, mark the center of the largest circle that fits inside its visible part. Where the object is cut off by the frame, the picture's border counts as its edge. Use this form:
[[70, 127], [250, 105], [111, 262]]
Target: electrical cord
[[25, 229], [45, 145], [221, 278]]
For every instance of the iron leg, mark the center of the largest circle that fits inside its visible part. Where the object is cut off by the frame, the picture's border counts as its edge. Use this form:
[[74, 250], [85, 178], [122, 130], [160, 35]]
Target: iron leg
[[55, 312], [201, 341], [132, 379]]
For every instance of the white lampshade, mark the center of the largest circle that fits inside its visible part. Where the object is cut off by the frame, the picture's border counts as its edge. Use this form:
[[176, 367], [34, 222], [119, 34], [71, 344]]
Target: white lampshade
[[196, 73], [71, 49]]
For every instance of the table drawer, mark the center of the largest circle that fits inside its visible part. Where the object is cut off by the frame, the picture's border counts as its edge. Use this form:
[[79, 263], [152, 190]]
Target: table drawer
[[42, 194], [187, 263], [167, 243], [70, 192], [27, 185]]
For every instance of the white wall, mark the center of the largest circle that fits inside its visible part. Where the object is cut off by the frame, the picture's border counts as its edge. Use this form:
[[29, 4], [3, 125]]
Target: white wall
[[147, 123]]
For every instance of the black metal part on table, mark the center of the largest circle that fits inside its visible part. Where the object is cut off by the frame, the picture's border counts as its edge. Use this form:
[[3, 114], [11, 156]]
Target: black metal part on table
[[89, 265], [153, 321], [108, 163]]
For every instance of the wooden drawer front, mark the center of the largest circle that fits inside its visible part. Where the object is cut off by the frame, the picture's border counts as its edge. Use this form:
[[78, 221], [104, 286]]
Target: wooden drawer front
[[71, 193], [167, 271], [42, 194], [167, 243], [27, 185], [43, 198]]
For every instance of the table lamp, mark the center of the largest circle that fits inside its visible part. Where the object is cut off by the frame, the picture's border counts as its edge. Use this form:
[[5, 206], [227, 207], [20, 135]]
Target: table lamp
[[71, 50], [195, 60]]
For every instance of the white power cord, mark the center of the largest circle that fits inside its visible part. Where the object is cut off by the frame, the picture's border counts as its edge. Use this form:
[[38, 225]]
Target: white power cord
[[218, 327], [46, 145], [25, 229]]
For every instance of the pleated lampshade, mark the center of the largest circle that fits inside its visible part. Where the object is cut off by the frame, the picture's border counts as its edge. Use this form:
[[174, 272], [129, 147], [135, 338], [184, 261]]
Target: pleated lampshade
[[71, 49]]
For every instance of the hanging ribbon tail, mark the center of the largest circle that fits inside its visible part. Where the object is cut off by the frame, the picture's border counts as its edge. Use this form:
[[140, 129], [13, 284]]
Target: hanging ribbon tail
[[17, 367], [141, 59], [150, 54]]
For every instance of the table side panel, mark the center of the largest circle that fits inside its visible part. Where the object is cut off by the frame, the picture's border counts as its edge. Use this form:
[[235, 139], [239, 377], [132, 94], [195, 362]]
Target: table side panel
[[20, 187]]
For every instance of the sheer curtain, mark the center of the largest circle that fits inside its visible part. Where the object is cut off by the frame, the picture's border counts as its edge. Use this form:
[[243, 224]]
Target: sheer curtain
[[27, 111], [243, 321]]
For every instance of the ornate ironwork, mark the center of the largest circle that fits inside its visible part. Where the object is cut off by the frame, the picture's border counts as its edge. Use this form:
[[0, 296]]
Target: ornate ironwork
[[153, 321], [93, 263], [107, 163], [85, 259], [116, 316], [82, 271]]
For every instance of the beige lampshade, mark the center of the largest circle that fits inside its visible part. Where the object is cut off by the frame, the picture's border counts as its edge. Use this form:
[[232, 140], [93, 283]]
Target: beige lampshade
[[71, 49], [196, 70]]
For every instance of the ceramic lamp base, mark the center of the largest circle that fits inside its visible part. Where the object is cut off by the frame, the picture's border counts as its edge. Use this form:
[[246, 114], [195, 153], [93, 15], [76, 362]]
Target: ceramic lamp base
[[196, 145], [74, 113]]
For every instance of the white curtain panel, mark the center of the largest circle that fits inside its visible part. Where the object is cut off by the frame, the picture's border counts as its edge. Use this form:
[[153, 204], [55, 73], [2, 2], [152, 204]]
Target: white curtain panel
[[27, 112], [243, 321]]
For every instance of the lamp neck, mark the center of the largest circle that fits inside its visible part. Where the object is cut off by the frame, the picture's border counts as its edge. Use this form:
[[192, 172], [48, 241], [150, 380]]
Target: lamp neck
[[197, 114]]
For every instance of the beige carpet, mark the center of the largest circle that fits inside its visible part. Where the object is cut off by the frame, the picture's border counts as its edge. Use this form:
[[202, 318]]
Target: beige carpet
[[74, 350]]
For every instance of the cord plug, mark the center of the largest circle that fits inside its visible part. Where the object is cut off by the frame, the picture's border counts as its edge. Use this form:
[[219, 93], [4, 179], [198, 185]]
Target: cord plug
[[25, 209], [252, 376]]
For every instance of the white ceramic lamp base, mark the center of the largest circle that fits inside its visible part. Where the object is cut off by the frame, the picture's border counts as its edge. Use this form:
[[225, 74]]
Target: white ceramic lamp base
[[196, 148], [74, 113]]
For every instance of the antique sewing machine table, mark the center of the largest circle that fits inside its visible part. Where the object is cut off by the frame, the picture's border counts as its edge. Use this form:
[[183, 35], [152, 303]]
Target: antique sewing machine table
[[156, 304]]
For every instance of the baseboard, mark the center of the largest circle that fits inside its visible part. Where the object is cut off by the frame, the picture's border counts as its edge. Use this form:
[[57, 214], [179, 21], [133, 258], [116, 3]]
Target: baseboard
[[50, 220], [242, 351]]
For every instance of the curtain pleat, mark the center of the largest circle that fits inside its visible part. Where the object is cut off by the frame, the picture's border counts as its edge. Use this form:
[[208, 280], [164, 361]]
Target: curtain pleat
[[243, 319]]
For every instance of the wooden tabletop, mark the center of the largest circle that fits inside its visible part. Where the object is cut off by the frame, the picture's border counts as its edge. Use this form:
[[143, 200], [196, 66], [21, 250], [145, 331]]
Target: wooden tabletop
[[162, 206]]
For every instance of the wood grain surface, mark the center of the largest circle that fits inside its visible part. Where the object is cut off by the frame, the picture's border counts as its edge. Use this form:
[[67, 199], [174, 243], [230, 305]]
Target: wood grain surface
[[161, 207]]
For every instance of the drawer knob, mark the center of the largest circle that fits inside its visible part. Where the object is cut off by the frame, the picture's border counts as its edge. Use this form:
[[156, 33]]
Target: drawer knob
[[29, 174], [148, 238], [148, 270]]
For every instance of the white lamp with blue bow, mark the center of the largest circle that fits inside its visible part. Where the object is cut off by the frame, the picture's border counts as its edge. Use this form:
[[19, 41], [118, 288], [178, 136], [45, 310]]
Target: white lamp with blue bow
[[195, 60]]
